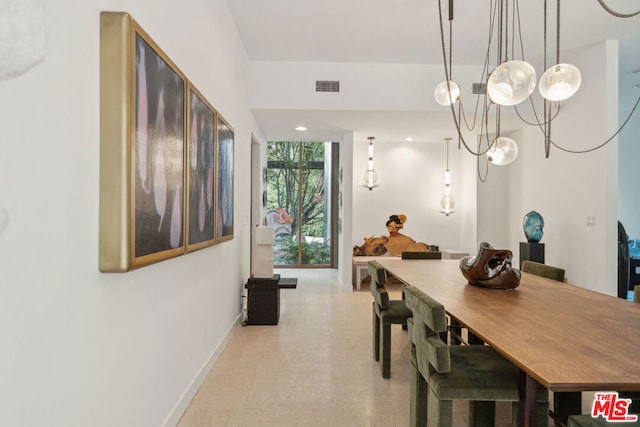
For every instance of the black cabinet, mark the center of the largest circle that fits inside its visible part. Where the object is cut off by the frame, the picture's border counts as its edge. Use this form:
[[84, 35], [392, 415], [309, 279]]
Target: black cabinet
[[263, 298]]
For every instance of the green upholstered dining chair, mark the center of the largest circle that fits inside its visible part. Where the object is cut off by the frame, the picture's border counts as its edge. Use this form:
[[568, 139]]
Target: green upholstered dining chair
[[586, 420], [454, 327], [417, 386], [543, 270], [476, 373], [419, 391], [385, 313], [564, 403]]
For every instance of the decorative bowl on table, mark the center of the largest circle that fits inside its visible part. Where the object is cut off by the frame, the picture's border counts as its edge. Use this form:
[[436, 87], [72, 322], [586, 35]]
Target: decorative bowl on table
[[490, 268]]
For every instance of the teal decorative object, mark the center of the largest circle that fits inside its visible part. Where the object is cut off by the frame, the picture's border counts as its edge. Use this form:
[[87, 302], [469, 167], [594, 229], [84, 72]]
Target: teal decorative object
[[533, 224], [634, 248]]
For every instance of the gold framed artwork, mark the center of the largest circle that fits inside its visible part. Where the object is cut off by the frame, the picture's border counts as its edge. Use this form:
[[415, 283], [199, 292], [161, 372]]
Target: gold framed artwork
[[224, 186], [142, 150], [201, 171], [161, 166]]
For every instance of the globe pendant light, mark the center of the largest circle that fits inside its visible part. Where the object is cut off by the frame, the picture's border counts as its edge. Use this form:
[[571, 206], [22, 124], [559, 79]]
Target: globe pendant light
[[447, 202], [502, 151], [442, 93], [511, 82], [560, 82], [370, 176], [448, 91]]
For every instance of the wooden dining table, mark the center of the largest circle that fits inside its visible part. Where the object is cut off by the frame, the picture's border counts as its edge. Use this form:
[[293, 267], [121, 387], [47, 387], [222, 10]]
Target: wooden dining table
[[565, 337]]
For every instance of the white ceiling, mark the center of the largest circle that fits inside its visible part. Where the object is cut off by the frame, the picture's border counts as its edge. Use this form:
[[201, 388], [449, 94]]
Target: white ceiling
[[407, 32]]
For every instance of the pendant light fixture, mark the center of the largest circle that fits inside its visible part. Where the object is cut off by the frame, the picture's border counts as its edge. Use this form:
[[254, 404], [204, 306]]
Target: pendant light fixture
[[502, 151], [448, 91], [370, 176], [447, 202], [512, 81], [560, 82]]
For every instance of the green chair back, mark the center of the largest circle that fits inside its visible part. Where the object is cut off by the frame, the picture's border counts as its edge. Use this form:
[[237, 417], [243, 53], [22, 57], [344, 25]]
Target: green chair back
[[543, 270], [378, 278], [430, 311], [430, 319]]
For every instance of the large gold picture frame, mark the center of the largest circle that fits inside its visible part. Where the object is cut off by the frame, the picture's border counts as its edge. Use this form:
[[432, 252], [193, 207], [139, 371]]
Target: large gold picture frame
[[166, 155], [142, 148], [201, 171], [224, 185]]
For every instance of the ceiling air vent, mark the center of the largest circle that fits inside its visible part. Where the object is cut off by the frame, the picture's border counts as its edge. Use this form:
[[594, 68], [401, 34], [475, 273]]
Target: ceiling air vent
[[327, 86], [479, 88]]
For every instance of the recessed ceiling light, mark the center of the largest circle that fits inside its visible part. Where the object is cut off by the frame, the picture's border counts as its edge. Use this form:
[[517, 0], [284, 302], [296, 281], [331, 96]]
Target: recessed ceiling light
[[409, 139], [301, 128]]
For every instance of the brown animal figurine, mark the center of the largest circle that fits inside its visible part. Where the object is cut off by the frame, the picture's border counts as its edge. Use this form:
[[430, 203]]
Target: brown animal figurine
[[373, 246], [399, 243]]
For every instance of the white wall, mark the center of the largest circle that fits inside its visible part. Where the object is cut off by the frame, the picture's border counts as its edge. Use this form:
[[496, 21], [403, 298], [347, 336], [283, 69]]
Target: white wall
[[468, 204], [345, 210], [363, 87], [82, 348], [411, 179], [411, 174], [629, 193], [493, 183], [629, 148], [566, 188]]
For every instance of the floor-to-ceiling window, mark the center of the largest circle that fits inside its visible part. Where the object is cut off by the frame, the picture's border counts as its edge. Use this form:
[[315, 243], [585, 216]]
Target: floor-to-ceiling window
[[299, 202]]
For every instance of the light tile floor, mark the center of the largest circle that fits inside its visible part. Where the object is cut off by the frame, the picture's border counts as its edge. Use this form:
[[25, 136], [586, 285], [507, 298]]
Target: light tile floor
[[315, 368]]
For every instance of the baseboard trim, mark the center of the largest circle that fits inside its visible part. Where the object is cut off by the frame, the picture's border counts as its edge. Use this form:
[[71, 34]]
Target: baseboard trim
[[183, 403]]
